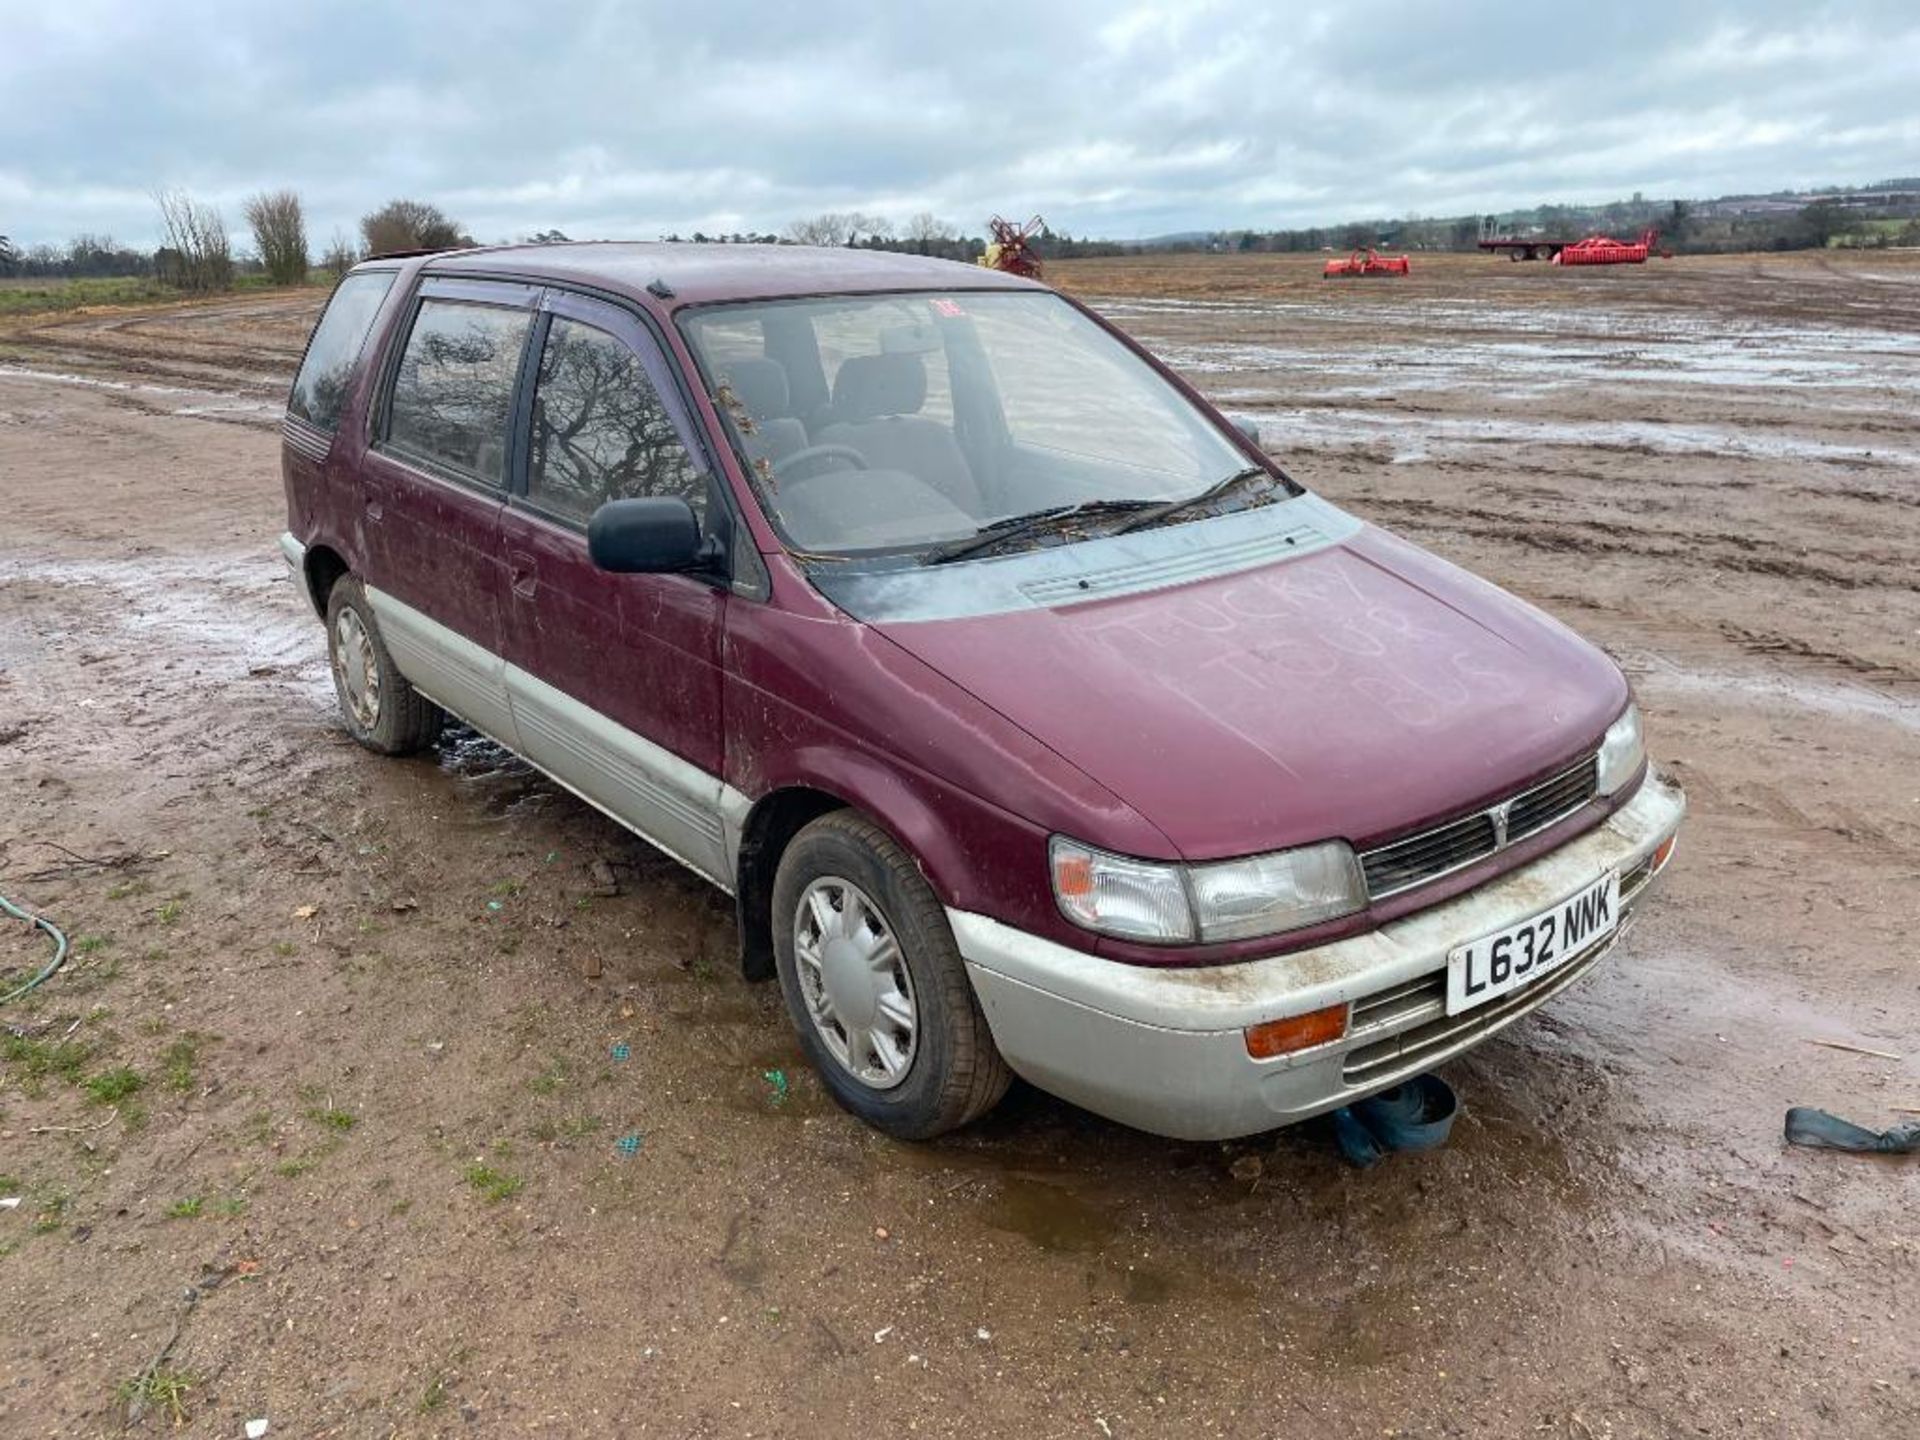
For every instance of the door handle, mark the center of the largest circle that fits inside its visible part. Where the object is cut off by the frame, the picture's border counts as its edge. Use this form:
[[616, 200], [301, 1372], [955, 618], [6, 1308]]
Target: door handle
[[522, 573], [374, 511]]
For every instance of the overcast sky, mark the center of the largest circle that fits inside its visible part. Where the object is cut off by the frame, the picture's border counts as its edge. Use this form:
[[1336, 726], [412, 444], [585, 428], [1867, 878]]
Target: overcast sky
[[638, 119]]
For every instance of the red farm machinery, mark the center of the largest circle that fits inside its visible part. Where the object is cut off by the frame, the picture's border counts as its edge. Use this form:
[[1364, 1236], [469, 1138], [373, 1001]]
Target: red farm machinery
[[1366, 263], [1594, 250], [1013, 247], [1605, 250]]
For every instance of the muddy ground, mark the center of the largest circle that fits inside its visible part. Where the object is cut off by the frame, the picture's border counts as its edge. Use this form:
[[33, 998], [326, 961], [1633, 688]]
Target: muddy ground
[[326, 1108]]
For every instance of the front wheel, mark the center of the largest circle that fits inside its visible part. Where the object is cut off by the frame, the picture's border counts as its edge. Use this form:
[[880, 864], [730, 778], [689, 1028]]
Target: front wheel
[[875, 984], [383, 712]]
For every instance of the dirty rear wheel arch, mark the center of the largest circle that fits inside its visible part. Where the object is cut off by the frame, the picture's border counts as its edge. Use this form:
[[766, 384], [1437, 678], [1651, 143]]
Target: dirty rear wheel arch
[[324, 567]]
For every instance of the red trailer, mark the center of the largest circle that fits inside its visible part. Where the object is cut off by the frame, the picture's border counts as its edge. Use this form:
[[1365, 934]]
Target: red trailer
[[1367, 262], [1605, 250]]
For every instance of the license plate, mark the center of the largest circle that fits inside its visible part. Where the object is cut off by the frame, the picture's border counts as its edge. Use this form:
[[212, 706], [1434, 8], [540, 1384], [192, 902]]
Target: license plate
[[1496, 964]]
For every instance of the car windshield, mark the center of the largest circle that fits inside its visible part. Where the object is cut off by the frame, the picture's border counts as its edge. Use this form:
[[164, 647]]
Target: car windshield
[[888, 423]]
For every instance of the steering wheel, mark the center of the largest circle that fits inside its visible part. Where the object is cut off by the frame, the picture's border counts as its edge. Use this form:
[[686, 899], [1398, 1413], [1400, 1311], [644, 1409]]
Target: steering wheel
[[814, 454]]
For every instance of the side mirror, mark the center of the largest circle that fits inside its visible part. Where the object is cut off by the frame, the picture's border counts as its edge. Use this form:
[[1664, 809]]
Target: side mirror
[[1247, 428], [659, 535]]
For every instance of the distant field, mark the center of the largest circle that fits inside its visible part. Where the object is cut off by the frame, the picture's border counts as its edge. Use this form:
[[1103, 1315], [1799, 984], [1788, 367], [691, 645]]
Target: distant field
[[1239, 277], [51, 296], [40, 297]]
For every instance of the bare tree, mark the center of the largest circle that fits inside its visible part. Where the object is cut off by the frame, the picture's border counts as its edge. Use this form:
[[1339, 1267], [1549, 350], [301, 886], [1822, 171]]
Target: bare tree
[[9, 256], [280, 230], [341, 255], [838, 227], [926, 228], [198, 253], [411, 225]]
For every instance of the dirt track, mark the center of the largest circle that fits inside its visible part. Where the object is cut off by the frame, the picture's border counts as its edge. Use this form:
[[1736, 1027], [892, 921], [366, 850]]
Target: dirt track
[[347, 983]]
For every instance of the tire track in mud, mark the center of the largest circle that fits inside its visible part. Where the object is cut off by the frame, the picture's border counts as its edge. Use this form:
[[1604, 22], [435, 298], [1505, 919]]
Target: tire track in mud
[[1726, 551]]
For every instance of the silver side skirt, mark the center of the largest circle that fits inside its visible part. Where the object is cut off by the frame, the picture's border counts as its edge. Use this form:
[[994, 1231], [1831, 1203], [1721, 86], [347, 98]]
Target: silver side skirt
[[673, 805]]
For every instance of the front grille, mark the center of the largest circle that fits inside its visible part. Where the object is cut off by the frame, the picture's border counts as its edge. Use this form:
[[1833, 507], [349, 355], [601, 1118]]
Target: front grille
[[1539, 807], [1395, 1029], [1406, 863], [1403, 864]]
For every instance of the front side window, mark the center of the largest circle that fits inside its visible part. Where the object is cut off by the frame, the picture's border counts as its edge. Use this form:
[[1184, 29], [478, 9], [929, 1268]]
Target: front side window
[[326, 374], [452, 400], [600, 431], [936, 418]]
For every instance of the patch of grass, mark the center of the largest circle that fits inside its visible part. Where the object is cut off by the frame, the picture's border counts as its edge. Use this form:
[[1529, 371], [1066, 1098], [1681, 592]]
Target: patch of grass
[[52, 1213], [39, 1059], [505, 887], [495, 1185], [113, 1085], [48, 297], [550, 1079], [285, 948], [170, 910], [127, 889], [230, 1206], [179, 1061], [91, 944], [434, 1397], [187, 1209], [331, 1118], [162, 1388], [298, 1165]]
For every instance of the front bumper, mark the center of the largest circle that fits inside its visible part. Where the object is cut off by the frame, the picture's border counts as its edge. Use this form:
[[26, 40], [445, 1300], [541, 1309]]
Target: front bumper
[[1165, 1049]]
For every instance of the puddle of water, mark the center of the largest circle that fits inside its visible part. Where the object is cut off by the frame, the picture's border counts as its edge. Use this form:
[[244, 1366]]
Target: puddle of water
[[233, 619], [1049, 1215], [1421, 436], [1836, 698], [208, 404]]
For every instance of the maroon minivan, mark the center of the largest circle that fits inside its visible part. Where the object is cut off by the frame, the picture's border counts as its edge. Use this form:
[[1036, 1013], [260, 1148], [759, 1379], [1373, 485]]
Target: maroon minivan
[[1037, 722]]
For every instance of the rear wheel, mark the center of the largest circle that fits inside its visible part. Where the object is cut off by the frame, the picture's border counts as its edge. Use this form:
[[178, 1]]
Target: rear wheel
[[875, 984], [383, 712]]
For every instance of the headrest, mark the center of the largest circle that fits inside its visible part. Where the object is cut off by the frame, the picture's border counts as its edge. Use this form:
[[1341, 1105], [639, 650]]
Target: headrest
[[761, 386], [869, 386]]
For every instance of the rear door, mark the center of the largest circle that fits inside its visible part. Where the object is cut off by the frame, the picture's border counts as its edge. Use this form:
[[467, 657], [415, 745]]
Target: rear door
[[614, 680], [435, 487]]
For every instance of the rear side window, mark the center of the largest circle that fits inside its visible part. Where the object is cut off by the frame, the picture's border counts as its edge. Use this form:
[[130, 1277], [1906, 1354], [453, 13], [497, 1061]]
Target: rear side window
[[599, 430], [320, 389], [453, 393]]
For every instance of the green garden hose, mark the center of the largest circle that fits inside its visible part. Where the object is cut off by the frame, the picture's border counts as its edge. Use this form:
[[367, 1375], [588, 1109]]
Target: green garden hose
[[59, 948]]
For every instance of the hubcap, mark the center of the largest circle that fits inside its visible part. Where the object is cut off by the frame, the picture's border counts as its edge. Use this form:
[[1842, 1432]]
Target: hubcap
[[356, 672], [855, 983]]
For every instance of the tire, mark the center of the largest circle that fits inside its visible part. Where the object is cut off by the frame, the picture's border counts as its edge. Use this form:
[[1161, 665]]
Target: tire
[[951, 1073], [383, 712]]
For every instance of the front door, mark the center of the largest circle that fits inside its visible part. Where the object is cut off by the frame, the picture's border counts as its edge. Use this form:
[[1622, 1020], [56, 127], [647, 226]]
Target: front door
[[434, 488], [614, 680]]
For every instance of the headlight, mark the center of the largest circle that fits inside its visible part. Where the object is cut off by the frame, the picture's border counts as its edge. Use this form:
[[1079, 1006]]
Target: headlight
[[1623, 751], [1230, 900], [1281, 891]]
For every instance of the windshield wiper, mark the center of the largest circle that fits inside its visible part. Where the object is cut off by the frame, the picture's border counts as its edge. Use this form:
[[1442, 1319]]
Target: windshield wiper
[[1214, 491], [1018, 527]]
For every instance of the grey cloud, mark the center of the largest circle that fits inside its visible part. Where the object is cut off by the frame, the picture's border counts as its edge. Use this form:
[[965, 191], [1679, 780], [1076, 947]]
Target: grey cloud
[[620, 119]]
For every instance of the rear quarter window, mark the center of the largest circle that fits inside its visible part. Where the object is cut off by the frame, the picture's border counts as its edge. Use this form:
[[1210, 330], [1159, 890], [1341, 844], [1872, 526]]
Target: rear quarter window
[[452, 401], [326, 374]]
